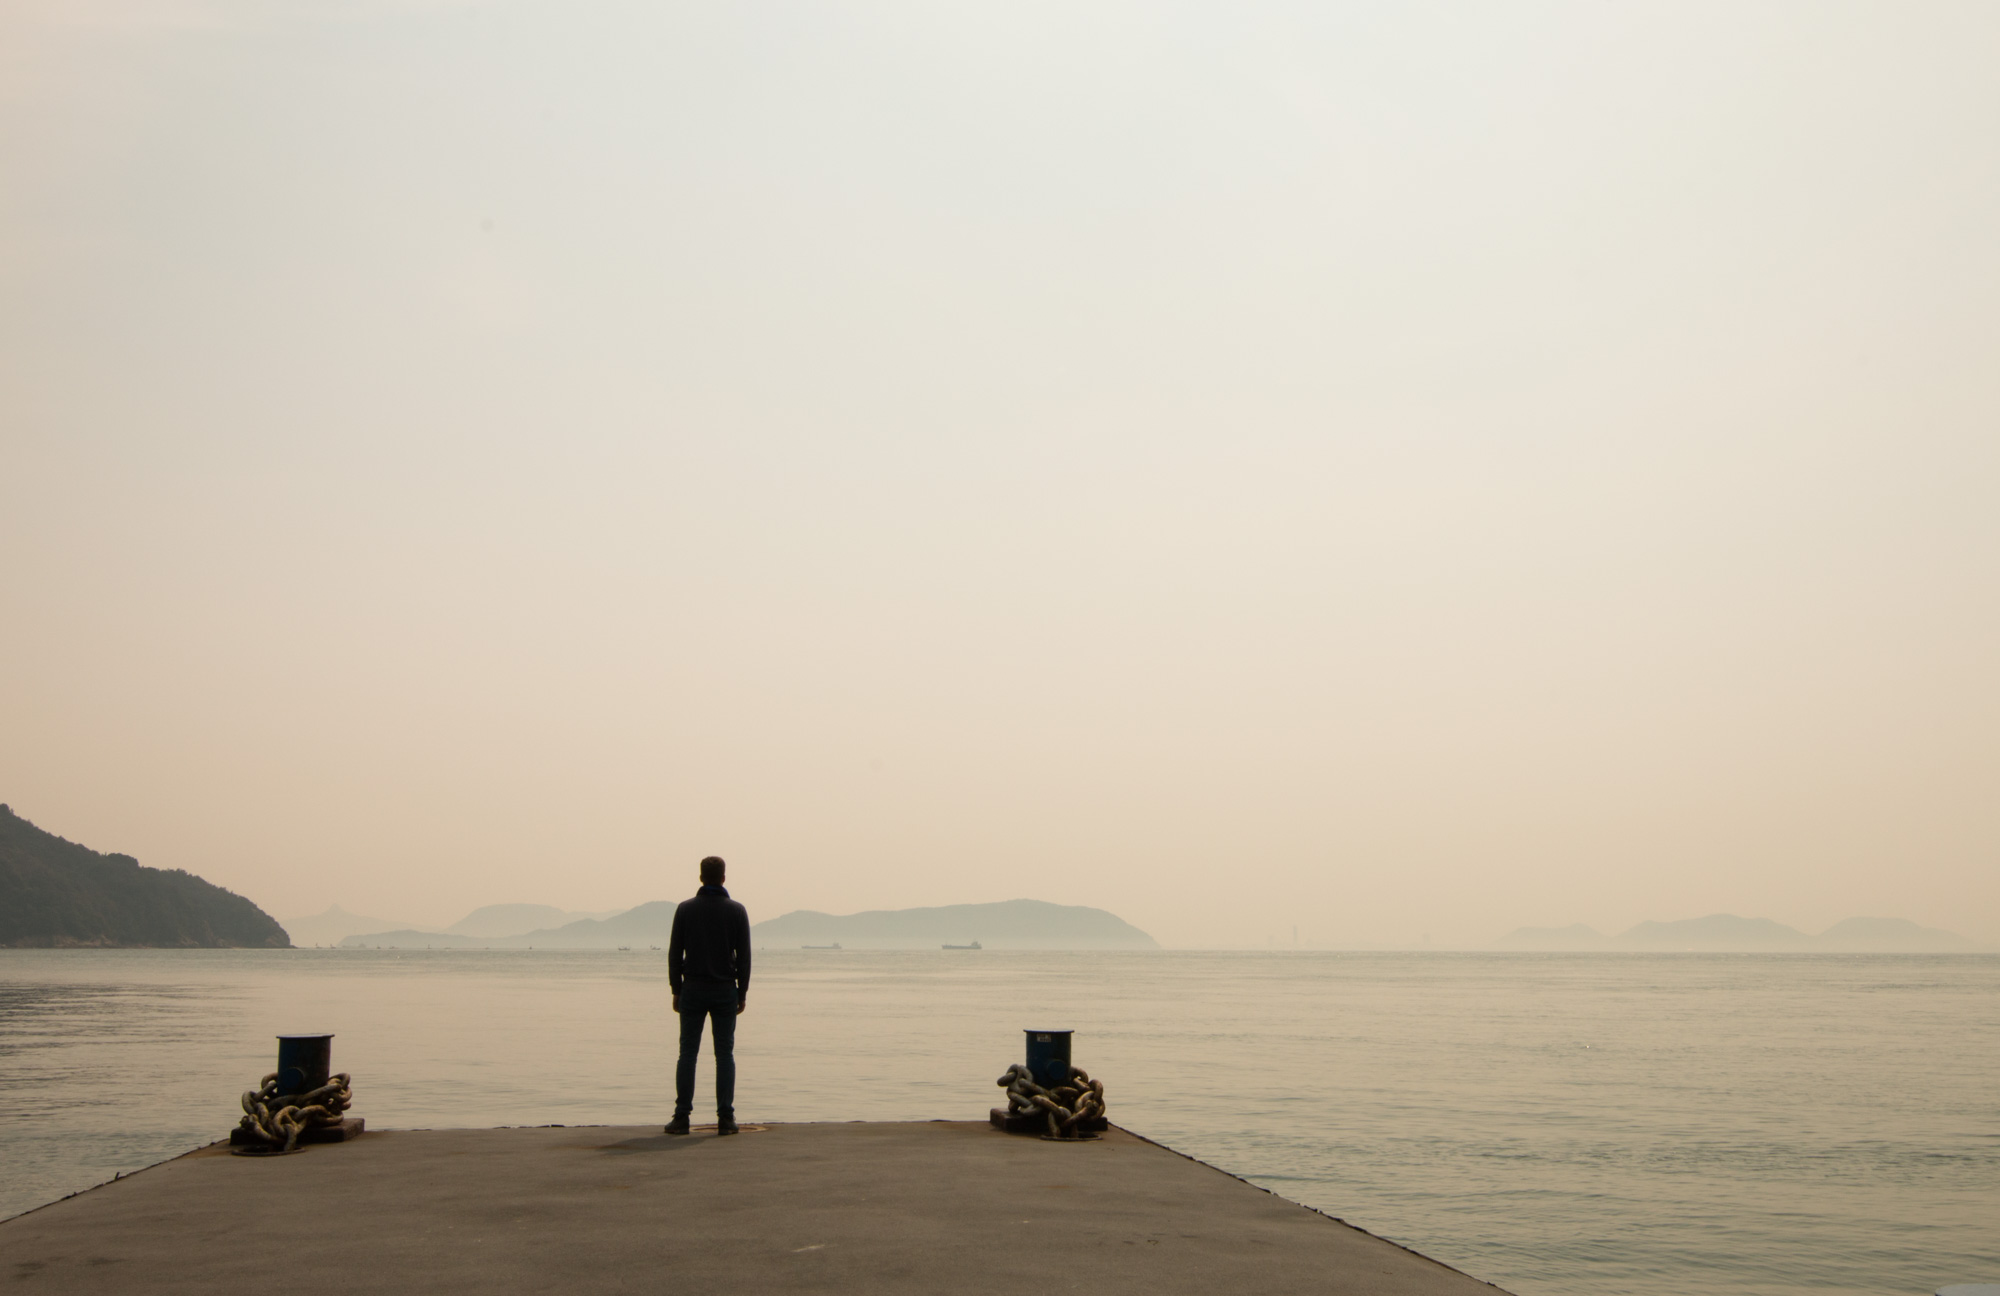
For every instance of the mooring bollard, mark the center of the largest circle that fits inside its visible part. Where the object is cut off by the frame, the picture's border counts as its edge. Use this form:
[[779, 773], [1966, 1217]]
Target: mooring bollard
[[300, 1102], [1048, 1094], [305, 1062], [1048, 1056]]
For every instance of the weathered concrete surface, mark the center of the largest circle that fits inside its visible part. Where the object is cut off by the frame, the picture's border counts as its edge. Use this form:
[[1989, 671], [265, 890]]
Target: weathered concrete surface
[[930, 1207]]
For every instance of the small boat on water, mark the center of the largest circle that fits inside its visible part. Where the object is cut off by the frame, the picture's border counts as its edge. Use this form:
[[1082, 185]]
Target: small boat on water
[[835, 945], [974, 945]]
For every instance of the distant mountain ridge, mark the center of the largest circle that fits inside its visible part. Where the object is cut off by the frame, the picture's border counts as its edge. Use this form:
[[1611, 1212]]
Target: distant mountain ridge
[[518, 919], [1007, 924], [56, 893], [333, 926], [1727, 933], [647, 924], [481, 927]]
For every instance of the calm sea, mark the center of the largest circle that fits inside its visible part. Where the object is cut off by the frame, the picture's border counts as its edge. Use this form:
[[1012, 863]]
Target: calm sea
[[1553, 1123]]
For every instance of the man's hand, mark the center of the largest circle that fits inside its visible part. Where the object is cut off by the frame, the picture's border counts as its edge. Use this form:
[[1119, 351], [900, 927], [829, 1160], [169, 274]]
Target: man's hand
[[677, 1003], [741, 1004]]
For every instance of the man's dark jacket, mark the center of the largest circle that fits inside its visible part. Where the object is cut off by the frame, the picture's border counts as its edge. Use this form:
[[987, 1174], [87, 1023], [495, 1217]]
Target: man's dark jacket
[[711, 942]]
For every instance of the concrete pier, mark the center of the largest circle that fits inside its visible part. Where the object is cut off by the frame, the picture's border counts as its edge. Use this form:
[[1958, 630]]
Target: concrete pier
[[868, 1208]]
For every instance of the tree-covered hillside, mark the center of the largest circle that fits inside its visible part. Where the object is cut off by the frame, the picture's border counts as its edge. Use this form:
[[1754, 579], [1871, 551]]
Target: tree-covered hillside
[[56, 893]]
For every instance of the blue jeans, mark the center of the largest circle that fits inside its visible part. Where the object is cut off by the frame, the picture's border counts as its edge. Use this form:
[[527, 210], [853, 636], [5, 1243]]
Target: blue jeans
[[698, 1003]]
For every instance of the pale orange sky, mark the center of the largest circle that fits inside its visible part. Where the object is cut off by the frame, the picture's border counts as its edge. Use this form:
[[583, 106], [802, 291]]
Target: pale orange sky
[[1382, 469]]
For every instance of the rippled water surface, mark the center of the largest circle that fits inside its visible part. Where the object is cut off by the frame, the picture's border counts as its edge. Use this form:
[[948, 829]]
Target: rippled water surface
[[1556, 1124]]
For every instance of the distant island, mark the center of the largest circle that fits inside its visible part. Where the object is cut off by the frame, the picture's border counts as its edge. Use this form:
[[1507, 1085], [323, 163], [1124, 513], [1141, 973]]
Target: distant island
[[1727, 933], [1006, 924], [57, 894], [480, 926], [513, 919], [647, 924], [334, 926]]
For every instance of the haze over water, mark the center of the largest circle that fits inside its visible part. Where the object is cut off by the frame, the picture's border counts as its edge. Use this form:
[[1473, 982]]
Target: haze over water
[[1460, 465], [1562, 1125]]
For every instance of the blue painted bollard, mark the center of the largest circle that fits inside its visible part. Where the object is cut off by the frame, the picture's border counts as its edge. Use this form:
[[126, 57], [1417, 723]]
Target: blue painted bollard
[[305, 1062], [1048, 1056]]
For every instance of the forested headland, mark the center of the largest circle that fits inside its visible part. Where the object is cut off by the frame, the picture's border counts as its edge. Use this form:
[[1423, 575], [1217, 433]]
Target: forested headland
[[56, 893]]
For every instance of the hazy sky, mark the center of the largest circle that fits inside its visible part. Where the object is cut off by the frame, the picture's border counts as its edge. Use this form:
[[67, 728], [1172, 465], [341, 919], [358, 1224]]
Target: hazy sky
[[1384, 469]]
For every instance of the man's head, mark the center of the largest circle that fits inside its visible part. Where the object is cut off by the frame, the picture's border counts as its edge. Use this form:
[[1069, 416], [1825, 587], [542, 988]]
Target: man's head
[[712, 870]]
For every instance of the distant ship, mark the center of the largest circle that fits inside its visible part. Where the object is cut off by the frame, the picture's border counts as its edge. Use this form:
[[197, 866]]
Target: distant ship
[[835, 945], [974, 945]]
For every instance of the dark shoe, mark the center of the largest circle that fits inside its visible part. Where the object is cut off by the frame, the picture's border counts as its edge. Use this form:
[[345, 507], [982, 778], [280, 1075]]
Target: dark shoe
[[678, 1125], [725, 1125]]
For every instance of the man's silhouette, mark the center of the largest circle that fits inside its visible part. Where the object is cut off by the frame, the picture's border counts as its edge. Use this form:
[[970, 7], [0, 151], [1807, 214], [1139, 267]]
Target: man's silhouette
[[708, 968]]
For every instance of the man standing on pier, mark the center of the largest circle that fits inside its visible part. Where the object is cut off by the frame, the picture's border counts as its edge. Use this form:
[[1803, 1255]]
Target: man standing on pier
[[708, 969]]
